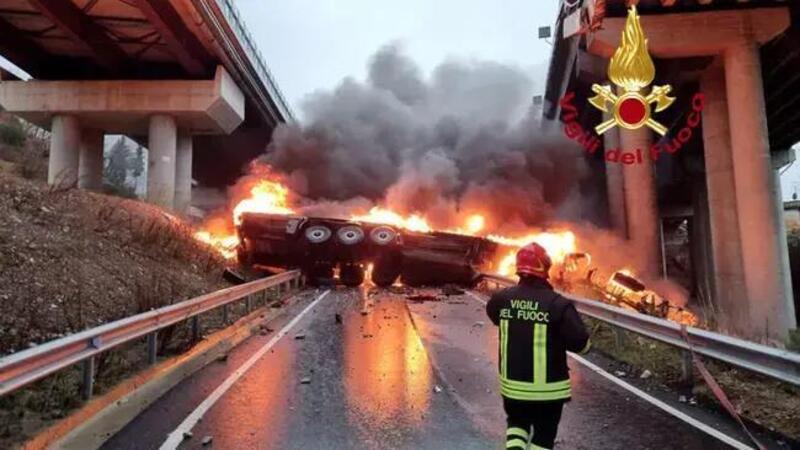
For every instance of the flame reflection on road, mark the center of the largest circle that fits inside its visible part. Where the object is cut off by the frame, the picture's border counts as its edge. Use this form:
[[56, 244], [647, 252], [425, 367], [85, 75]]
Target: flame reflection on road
[[387, 375]]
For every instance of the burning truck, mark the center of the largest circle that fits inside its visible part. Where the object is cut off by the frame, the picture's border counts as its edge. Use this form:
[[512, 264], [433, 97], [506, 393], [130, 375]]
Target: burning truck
[[321, 247], [263, 229]]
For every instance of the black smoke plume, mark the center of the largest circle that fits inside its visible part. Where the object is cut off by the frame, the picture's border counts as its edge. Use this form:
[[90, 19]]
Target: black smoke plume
[[465, 140]]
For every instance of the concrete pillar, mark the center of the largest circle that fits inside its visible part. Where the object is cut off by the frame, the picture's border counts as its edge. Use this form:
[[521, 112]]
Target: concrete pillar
[[700, 240], [65, 139], [162, 145], [764, 249], [641, 204], [90, 169], [183, 173], [615, 184], [729, 292]]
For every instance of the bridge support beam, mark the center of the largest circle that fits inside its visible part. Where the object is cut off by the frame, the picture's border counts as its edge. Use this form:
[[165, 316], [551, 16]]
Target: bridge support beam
[[641, 207], [90, 169], [729, 291], [65, 141], [183, 173], [761, 228], [132, 107], [162, 143]]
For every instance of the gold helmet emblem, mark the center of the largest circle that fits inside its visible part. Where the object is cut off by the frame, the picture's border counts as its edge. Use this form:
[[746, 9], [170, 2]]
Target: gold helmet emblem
[[631, 69]]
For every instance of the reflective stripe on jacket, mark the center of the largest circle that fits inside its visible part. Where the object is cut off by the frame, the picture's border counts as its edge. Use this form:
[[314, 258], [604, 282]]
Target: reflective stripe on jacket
[[537, 327]]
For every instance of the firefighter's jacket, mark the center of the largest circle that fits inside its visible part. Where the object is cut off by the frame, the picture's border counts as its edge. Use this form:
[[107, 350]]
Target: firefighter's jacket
[[537, 327]]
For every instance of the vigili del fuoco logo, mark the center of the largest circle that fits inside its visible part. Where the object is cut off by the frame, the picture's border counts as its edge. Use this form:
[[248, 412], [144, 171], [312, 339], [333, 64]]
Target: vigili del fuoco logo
[[631, 70]]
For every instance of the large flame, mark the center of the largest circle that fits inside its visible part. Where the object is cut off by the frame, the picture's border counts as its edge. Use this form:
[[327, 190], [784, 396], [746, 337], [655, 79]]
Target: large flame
[[267, 196], [266, 193], [631, 67], [413, 222], [557, 243], [263, 192]]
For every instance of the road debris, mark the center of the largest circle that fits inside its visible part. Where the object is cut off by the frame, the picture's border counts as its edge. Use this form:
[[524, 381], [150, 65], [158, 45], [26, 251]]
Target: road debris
[[423, 298], [187, 434], [450, 289], [305, 380], [338, 318], [300, 336], [620, 373], [437, 388], [646, 374], [207, 440], [233, 277]]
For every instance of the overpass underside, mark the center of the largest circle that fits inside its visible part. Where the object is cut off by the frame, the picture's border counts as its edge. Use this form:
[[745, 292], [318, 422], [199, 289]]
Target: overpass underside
[[721, 176], [180, 76]]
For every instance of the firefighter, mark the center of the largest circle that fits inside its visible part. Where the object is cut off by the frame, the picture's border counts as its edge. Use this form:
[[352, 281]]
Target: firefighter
[[537, 328]]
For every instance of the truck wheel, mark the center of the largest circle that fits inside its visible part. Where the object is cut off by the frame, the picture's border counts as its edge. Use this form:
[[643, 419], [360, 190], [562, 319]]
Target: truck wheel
[[351, 275], [319, 274], [384, 273]]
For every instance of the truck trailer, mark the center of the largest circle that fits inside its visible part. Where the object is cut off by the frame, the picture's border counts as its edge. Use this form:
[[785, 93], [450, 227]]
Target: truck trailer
[[323, 247]]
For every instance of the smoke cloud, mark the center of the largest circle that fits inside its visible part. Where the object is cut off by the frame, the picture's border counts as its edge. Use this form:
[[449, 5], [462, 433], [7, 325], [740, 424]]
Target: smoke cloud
[[463, 140]]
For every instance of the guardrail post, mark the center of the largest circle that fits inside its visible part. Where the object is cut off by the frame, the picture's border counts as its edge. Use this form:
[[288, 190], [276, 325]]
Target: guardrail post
[[152, 347], [195, 328], [88, 378], [619, 338], [687, 373], [248, 304], [225, 314]]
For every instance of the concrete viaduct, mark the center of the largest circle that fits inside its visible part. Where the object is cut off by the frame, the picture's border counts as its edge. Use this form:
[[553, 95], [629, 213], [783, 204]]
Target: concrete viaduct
[[743, 57], [182, 77]]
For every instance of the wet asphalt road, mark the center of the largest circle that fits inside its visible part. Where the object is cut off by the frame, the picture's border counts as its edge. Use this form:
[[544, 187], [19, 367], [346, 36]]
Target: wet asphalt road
[[387, 376]]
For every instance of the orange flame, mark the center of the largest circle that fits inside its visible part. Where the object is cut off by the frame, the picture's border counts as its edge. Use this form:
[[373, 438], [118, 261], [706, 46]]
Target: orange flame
[[414, 222], [267, 196], [557, 243], [261, 192]]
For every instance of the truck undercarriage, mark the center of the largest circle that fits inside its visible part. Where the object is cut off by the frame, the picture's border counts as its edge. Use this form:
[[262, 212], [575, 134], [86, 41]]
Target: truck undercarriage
[[322, 247]]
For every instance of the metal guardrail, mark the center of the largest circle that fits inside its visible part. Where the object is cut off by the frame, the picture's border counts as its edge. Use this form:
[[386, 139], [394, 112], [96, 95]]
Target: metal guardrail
[[247, 43], [773, 362], [27, 366]]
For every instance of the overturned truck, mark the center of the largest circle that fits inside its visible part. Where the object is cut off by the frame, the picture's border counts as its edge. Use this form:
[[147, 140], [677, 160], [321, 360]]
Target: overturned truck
[[323, 247]]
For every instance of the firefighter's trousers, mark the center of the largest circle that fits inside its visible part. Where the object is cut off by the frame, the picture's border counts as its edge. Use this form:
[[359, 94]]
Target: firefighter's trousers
[[536, 422]]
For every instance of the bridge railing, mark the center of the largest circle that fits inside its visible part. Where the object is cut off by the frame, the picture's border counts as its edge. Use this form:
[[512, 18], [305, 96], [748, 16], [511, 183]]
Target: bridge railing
[[27, 366], [776, 363], [234, 19]]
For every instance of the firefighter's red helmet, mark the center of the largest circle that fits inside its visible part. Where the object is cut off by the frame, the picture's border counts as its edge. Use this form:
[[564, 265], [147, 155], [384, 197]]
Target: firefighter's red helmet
[[533, 260]]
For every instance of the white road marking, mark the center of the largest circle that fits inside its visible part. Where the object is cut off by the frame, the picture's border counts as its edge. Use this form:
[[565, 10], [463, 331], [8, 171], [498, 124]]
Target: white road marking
[[176, 437], [649, 398]]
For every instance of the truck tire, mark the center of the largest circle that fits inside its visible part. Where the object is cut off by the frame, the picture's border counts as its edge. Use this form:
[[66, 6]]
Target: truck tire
[[351, 275], [386, 271], [319, 274]]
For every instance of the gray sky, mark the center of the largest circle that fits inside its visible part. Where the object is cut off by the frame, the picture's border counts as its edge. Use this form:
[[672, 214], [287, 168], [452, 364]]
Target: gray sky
[[314, 44]]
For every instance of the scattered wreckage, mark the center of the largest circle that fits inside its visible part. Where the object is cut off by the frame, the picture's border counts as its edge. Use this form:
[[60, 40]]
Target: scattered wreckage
[[328, 250], [621, 288]]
